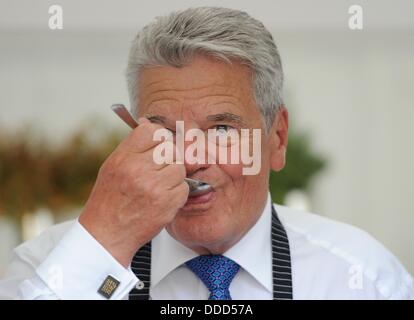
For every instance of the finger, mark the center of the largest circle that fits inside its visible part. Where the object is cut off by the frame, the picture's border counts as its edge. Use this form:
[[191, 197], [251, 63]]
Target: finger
[[180, 193], [142, 120], [146, 136], [172, 175], [163, 154], [146, 161]]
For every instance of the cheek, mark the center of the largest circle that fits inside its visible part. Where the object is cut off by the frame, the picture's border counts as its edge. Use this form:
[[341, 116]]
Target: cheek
[[239, 169], [234, 171], [234, 161]]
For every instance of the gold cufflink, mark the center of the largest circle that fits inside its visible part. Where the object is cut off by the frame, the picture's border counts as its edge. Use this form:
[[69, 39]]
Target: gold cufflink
[[108, 287]]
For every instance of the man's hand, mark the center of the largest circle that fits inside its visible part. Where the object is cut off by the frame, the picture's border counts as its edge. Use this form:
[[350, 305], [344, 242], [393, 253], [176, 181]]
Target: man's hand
[[133, 197]]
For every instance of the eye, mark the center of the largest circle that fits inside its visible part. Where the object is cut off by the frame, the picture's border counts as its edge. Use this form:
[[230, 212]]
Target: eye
[[223, 129], [168, 133], [223, 135], [171, 131]]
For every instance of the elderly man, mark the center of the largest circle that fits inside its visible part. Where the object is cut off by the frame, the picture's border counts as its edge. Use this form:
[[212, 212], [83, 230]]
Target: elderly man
[[140, 235]]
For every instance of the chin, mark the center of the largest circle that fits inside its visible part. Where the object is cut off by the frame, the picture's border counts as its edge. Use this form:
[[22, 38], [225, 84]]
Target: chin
[[198, 230]]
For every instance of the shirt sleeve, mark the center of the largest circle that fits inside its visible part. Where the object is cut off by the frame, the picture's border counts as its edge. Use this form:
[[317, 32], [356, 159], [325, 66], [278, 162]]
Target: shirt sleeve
[[78, 267]]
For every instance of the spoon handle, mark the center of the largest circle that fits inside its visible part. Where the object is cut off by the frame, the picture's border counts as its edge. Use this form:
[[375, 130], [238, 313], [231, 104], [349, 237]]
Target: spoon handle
[[124, 114]]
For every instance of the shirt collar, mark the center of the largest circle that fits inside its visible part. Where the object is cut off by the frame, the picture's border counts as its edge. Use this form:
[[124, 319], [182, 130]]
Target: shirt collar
[[255, 246]]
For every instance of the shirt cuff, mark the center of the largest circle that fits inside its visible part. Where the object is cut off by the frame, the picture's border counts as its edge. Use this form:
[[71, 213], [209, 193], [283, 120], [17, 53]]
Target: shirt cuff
[[79, 267]]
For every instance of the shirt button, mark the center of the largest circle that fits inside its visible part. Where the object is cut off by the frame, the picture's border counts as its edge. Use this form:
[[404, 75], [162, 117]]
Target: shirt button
[[140, 285]]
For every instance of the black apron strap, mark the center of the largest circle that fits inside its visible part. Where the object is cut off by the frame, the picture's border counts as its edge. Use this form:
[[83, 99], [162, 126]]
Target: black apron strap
[[141, 266], [282, 275], [282, 270]]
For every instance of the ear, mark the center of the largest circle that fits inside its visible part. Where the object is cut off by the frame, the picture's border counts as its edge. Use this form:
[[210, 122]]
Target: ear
[[278, 139]]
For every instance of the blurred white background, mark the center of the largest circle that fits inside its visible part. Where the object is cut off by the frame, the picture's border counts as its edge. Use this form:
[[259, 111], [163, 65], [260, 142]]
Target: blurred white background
[[352, 91]]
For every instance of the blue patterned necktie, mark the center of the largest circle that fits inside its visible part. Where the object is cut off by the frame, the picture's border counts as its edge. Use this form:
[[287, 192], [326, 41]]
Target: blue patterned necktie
[[216, 272]]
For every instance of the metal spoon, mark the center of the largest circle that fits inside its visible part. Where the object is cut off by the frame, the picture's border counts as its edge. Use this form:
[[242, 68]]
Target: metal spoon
[[197, 187]]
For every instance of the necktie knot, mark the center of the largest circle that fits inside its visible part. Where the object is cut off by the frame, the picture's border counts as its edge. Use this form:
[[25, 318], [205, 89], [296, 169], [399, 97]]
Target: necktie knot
[[216, 272]]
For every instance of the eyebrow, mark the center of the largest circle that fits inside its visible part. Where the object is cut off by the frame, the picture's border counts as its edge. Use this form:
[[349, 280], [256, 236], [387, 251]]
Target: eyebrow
[[227, 117], [224, 117], [156, 119]]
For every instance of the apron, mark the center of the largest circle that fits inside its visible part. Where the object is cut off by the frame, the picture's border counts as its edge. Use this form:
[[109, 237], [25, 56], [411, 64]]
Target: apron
[[282, 273]]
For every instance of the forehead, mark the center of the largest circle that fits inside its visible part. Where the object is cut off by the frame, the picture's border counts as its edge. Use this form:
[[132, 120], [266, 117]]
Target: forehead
[[201, 84]]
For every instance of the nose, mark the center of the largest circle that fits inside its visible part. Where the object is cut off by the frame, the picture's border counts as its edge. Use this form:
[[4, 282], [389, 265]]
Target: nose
[[195, 157], [192, 144]]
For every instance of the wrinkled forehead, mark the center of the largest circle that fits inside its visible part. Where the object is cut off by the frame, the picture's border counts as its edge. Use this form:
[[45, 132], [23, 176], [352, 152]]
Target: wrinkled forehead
[[200, 84]]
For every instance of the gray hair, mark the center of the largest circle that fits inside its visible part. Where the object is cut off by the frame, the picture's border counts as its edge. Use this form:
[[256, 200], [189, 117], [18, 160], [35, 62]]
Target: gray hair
[[223, 33]]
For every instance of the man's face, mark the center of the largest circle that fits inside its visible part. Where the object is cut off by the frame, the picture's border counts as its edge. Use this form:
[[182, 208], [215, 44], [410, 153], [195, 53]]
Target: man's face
[[199, 94]]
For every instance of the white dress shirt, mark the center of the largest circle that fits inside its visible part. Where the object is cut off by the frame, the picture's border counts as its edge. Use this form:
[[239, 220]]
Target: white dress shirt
[[330, 260]]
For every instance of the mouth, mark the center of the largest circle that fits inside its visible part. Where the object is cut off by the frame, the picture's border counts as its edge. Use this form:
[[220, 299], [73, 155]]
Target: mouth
[[201, 202]]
